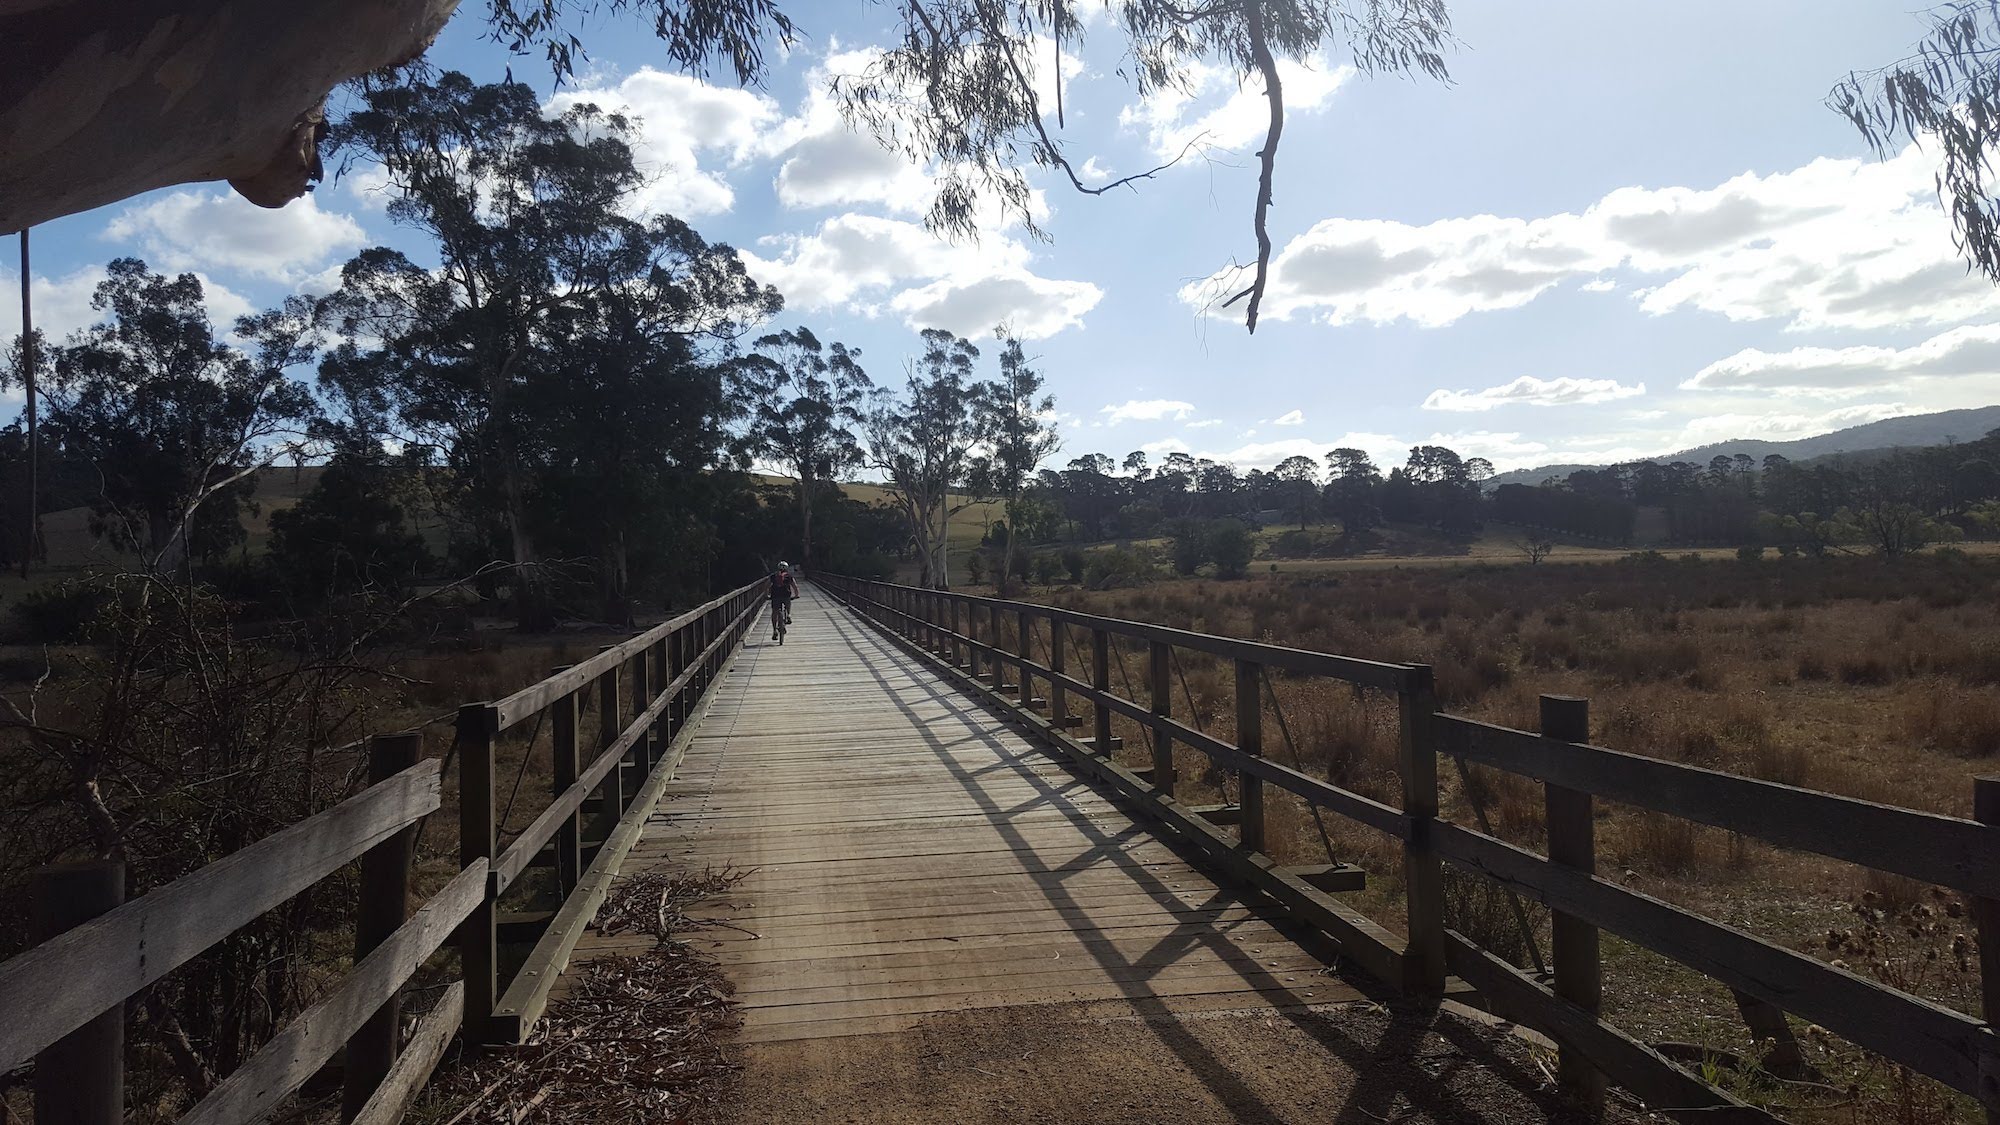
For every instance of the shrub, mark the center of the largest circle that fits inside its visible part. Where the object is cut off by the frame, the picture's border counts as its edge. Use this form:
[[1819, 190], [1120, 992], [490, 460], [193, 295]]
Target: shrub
[[1230, 545], [1074, 560], [1191, 547], [1048, 568], [1116, 567], [1749, 554], [975, 567], [60, 613]]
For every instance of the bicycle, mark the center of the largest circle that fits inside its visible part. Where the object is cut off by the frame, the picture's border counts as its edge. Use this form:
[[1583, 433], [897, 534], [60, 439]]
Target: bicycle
[[781, 617]]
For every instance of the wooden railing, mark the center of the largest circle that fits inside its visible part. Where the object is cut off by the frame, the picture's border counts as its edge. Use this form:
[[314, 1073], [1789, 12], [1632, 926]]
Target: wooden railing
[[965, 635], [63, 999]]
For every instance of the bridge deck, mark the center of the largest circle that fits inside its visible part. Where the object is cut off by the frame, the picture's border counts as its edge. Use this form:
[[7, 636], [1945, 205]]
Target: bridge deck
[[922, 869]]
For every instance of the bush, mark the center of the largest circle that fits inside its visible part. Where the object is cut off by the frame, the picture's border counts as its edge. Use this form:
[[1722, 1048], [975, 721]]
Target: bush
[[1749, 554], [1074, 560], [1048, 568], [1231, 548], [1116, 567], [58, 614], [1191, 547], [975, 567]]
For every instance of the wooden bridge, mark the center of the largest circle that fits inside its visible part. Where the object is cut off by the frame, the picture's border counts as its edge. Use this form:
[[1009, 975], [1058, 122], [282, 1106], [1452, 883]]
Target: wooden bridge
[[972, 891]]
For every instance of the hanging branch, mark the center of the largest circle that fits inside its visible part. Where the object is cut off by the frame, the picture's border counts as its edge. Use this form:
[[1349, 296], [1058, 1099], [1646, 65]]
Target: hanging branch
[[1267, 159]]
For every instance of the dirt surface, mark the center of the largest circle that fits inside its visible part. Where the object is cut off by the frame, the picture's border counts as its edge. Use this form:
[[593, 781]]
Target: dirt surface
[[1353, 1064]]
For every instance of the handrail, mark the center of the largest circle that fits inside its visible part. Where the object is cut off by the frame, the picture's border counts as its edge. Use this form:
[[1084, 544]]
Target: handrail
[[61, 991], [1952, 1047]]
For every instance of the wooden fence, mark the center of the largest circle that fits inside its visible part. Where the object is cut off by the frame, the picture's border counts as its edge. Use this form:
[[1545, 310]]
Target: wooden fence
[[64, 998], [967, 636]]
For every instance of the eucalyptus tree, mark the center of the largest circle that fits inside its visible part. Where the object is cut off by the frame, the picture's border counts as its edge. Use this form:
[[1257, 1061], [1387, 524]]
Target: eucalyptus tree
[[550, 301], [919, 442], [176, 420], [808, 400], [1302, 474], [1013, 420]]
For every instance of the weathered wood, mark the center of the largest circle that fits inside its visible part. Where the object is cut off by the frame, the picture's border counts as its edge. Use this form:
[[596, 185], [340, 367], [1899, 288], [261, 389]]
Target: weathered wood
[[610, 719], [1573, 843], [384, 904], [1100, 679], [1058, 656], [80, 1078], [1423, 875], [1936, 1041], [529, 701], [477, 950], [565, 762], [56, 987], [1925, 846], [1222, 816], [1507, 992], [997, 648], [302, 1046], [1332, 878], [1250, 743], [413, 1068], [1767, 1024], [1986, 915], [1160, 680]]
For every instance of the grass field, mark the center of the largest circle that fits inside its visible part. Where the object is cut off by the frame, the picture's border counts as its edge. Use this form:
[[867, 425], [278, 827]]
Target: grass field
[[1862, 676]]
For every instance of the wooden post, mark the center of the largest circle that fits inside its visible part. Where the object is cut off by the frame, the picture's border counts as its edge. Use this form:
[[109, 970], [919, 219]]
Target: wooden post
[[383, 906], [1163, 706], [1986, 913], [1058, 697], [664, 727], [80, 1078], [566, 762], [477, 941], [1573, 843], [609, 713], [957, 652], [1250, 740], [642, 747], [676, 663], [999, 646], [1423, 873], [972, 633], [1024, 646], [1100, 678]]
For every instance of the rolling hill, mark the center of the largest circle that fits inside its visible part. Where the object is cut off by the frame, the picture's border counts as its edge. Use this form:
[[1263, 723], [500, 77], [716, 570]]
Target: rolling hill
[[1890, 433]]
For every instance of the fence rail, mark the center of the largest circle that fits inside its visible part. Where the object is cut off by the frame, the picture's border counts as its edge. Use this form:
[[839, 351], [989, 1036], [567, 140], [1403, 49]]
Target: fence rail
[[64, 998], [966, 635]]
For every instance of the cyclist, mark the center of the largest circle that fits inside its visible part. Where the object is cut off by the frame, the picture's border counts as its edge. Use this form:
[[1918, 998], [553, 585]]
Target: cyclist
[[783, 589]]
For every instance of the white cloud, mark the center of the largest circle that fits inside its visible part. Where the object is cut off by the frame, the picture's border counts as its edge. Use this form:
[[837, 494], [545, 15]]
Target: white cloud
[[186, 230], [1601, 285], [1528, 390], [866, 263], [1204, 424], [1290, 418], [62, 305], [682, 121], [1833, 244], [1148, 410], [1960, 353], [1782, 425], [1165, 446], [1216, 109]]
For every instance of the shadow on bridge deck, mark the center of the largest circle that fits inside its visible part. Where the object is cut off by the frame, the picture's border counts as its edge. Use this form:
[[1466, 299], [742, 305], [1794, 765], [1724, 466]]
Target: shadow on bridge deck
[[943, 924]]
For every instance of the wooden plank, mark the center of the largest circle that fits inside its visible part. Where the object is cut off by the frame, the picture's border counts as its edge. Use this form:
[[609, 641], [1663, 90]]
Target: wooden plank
[[413, 1068], [56, 987], [302, 1046], [1657, 1081], [1925, 846], [1936, 1041], [530, 700]]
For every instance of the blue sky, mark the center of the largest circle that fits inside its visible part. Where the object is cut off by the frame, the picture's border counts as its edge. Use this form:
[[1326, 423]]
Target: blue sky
[[1621, 230]]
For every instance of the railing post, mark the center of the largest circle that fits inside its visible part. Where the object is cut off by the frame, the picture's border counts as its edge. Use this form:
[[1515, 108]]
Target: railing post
[[642, 747], [1423, 874], [676, 663], [80, 1078], [565, 763], [665, 726], [1250, 740], [1100, 678], [999, 646], [1573, 843], [1986, 913], [1024, 646], [1058, 697], [384, 904], [610, 710], [951, 642], [477, 941], [972, 634], [1163, 706]]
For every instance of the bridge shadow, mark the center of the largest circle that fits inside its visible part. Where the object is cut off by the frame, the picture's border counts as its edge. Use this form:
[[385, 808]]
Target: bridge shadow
[[1388, 1074]]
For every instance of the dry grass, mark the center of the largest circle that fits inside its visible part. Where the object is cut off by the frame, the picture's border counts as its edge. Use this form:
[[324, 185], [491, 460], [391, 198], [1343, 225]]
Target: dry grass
[[1858, 676]]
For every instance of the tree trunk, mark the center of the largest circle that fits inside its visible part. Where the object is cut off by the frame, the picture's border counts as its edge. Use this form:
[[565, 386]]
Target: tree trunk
[[806, 521], [612, 578], [1006, 553]]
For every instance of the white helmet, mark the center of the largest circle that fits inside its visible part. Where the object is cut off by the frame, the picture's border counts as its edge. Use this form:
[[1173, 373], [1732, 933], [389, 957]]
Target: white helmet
[[782, 565]]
